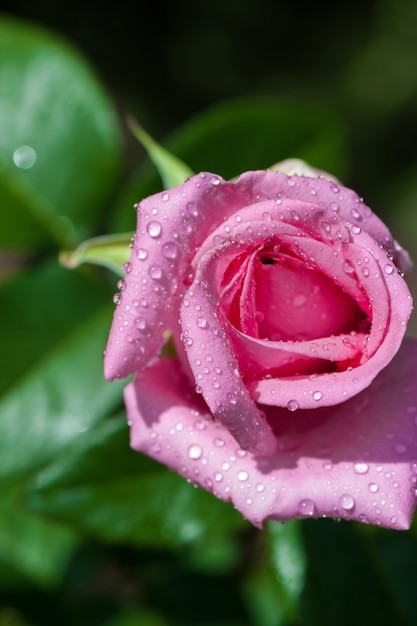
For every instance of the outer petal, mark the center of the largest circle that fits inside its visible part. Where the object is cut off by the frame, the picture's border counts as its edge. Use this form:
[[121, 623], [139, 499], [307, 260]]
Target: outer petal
[[170, 227], [330, 195], [357, 460], [216, 372]]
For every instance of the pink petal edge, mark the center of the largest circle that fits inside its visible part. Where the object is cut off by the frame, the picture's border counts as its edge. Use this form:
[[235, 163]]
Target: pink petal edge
[[358, 463]]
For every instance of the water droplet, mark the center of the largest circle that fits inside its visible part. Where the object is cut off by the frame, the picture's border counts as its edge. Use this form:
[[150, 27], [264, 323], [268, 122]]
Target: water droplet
[[202, 323], [306, 507], [142, 254], [348, 269], [347, 502], [327, 466], [155, 272], [170, 250], [219, 442], [117, 298], [260, 487], [218, 477], [317, 395], [361, 468], [292, 405], [195, 451], [388, 269], [154, 229], [24, 157], [299, 301], [140, 323], [365, 271], [373, 487], [242, 476], [127, 267], [165, 197], [356, 230]]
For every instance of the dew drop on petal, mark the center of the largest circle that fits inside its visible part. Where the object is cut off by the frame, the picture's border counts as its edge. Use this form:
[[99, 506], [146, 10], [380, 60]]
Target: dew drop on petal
[[299, 301], [155, 272], [317, 395], [154, 229], [306, 507], [388, 269], [242, 476], [219, 442], [292, 405], [140, 323], [142, 254], [361, 468], [373, 487], [202, 323], [347, 502], [117, 298], [195, 451], [170, 250]]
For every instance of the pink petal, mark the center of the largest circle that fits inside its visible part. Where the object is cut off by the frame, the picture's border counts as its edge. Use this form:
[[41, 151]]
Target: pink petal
[[330, 195], [170, 226], [380, 290], [215, 370], [357, 460], [173, 225]]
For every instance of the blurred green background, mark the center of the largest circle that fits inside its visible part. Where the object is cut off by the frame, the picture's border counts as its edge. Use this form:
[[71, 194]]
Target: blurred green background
[[91, 533]]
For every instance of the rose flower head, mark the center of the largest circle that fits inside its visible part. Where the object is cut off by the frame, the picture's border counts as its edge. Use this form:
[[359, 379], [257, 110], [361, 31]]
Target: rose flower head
[[292, 393]]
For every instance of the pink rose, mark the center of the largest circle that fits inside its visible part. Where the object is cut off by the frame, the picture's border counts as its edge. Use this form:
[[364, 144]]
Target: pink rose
[[286, 303]]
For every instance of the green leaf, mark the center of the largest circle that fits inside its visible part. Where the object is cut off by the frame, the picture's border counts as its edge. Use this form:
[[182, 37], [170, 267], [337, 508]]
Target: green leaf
[[171, 170], [358, 575], [276, 581], [38, 307], [33, 546], [124, 497], [111, 251], [289, 561], [245, 134], [60, 142], [59, 399]]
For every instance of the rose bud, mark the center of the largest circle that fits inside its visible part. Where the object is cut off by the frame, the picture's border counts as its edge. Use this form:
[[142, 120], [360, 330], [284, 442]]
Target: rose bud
[[286, 302]]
